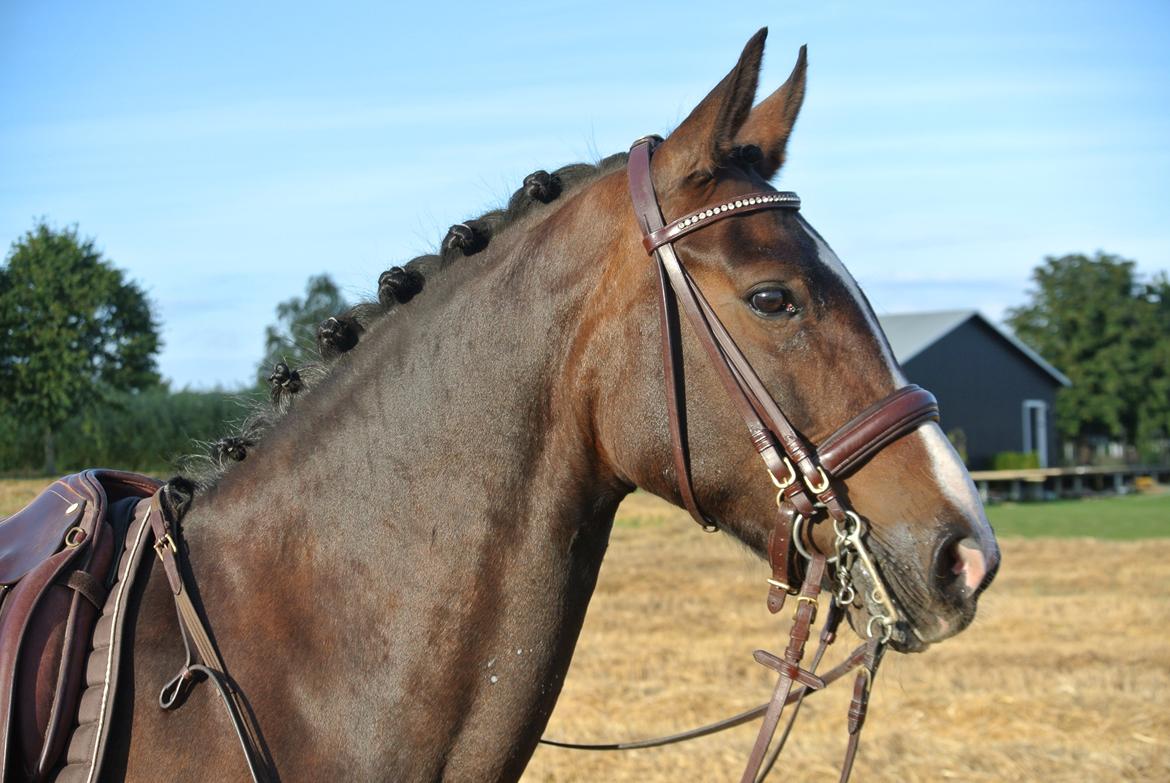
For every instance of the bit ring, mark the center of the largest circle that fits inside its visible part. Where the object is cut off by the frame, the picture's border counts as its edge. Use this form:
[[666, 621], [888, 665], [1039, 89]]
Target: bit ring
[[799, 543]]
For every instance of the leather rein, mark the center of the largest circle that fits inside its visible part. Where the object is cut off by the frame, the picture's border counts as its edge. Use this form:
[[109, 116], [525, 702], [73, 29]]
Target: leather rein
[[806, 478]]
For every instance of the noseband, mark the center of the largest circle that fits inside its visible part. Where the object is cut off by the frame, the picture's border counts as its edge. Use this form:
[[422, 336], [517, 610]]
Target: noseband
[[806, 476]]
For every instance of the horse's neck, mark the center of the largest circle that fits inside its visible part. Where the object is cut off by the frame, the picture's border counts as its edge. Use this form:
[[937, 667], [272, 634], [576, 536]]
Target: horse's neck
[[429, 522]]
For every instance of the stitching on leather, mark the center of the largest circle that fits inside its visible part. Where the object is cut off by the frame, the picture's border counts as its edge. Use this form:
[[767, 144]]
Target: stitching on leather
[[113, 631]]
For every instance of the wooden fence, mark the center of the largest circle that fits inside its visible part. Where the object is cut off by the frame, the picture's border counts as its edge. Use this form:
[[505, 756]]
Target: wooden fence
[[1051, 483]]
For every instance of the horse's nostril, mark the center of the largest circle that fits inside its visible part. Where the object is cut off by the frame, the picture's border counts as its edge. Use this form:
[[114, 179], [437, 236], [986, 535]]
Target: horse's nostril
[[969, 563]]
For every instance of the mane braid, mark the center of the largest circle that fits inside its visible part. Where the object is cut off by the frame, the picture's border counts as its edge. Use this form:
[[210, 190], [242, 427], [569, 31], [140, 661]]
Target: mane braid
[[341, 333]]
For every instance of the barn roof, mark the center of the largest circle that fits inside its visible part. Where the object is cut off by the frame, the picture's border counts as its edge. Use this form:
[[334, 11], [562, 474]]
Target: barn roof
[[912, 333]]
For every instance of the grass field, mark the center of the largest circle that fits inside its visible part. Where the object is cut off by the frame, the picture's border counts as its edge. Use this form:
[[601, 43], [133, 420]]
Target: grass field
[[1122, 519], [16, 493], [1065, 675]]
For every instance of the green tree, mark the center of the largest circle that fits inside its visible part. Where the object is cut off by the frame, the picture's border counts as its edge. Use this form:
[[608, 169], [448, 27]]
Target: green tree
[[293, 338], [1094, 319], [73, 332], [1153, 414]]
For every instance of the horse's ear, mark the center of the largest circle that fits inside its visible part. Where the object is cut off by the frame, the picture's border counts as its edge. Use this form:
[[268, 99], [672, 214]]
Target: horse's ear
[[704, 139], [770, 124]]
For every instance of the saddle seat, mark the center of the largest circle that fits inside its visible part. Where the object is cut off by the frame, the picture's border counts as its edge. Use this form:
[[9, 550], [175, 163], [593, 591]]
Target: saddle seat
[[66, 563]]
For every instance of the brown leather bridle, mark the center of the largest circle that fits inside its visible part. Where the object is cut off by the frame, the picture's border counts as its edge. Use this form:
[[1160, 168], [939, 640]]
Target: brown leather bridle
[[806, 476]]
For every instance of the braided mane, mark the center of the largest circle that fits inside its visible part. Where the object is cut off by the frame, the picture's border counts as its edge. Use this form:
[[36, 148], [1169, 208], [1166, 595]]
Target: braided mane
[[342, 333]]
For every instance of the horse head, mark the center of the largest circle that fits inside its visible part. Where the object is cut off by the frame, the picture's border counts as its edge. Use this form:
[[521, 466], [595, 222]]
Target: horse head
[[419, 533], [805, 326]]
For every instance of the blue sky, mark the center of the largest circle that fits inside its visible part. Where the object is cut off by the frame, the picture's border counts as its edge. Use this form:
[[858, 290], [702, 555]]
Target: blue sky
[[222, 152]]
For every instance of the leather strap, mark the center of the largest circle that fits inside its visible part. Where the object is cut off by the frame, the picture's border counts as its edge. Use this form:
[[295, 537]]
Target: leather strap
[[767, 425], [742, 205], [789, 667], [859, 705], [828, 636], [876, 427], [779, 546], [734, 371], [88, 586], [851, 662], [805, 476], [676, 399], [203, 658]]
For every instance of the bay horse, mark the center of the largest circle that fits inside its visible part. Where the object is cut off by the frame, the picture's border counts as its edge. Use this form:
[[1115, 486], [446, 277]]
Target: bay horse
[[397, 573]]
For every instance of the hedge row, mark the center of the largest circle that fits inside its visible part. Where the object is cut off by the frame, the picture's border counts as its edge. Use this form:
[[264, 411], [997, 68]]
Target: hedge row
[[145, 431]]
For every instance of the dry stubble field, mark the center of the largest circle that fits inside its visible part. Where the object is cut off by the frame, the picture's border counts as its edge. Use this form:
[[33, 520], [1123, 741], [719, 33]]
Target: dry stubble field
[[1065, 675]]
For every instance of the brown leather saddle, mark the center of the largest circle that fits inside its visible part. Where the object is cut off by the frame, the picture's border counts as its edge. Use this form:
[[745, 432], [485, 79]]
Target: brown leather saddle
[[67, 563], [72, 555]]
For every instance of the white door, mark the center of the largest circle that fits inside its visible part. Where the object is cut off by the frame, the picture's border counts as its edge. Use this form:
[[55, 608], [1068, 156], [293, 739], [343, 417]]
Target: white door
[[1036, 429]]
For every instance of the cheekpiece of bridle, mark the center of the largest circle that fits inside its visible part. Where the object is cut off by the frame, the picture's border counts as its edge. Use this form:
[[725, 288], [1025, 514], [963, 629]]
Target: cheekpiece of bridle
[[806, 477]]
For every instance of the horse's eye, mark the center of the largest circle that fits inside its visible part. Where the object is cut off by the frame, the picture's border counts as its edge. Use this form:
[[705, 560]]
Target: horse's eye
[[772, 301]]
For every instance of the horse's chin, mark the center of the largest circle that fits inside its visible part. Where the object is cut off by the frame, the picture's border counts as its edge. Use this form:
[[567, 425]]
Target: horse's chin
[[918, 628], [913, 634], [904, 638]]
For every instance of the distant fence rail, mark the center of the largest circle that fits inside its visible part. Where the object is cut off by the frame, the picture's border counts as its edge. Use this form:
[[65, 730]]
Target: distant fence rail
[[1049, 483]]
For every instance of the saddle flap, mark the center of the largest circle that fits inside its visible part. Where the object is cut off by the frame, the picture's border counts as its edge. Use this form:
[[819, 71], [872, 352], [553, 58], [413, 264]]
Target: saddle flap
[[31, 536]]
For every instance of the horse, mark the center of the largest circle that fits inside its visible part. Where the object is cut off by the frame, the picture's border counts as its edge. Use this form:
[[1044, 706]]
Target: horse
[[397, 562]]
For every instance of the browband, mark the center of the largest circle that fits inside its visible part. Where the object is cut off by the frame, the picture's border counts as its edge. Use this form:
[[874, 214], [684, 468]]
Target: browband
[[787, 455], [752, 202]]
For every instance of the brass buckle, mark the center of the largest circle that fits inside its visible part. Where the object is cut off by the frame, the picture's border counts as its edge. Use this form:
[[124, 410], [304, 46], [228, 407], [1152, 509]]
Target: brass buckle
[[163, 543], [811, 602], [820, 487], [75, 536], [784, 483], [787, 481]]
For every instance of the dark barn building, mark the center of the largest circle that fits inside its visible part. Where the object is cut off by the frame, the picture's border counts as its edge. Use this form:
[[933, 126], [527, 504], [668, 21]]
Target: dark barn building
[[989, 384]]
